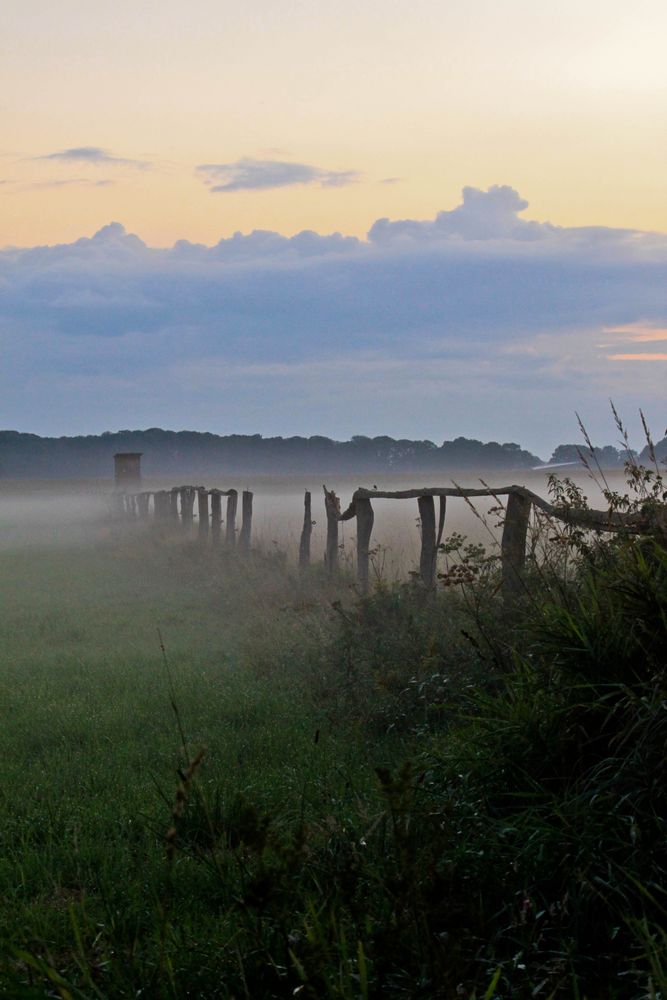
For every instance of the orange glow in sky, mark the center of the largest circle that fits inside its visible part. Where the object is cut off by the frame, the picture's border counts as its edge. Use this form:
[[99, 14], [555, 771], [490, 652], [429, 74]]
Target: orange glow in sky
[[409, 101]]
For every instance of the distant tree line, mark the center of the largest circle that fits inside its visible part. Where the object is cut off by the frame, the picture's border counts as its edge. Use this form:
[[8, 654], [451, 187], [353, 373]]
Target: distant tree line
[[607, 457], [191, 453]]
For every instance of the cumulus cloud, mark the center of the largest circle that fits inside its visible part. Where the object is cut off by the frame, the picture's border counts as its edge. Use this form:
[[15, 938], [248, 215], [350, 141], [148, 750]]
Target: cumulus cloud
[[263, 175], [482, 215], [477, 322], [93, 155]]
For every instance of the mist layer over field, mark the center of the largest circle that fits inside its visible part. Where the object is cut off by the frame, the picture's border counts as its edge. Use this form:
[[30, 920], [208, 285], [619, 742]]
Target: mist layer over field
[[79, 512]]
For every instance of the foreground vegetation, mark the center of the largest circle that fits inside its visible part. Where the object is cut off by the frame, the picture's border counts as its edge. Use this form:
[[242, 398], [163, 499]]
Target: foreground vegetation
[[224, 780]]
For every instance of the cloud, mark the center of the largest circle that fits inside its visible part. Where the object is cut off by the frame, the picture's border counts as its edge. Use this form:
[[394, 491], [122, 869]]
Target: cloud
[[638, 357], [93, 155], [68, 182], [638, 333], [482, 215], [263, 175], [469, 323]]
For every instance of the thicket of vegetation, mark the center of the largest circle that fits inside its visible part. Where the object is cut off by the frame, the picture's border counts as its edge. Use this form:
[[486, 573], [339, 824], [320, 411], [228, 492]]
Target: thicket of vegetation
[[307, 793]]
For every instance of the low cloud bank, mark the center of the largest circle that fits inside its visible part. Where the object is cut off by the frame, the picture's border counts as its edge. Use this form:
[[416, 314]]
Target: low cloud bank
[[478, 322]]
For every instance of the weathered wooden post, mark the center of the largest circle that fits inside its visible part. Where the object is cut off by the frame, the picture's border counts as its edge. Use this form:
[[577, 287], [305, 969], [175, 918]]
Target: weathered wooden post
[[216, 516], [230, 532], [202, 512], [187, 506], [427, 557], [246, 522], [365, 518], [441, 524], [306, 532], [332, 508], [513, 545]]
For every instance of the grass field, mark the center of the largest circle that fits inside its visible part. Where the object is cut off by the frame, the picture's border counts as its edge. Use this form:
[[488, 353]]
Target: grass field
[[397, 796], [91, 745]]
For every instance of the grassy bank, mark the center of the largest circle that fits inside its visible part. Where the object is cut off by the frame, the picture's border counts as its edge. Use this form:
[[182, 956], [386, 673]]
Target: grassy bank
[[397, 796]]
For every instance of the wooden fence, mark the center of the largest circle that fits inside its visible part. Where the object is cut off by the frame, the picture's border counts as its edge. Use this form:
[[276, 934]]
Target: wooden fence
[[520, 501], [177, 505]]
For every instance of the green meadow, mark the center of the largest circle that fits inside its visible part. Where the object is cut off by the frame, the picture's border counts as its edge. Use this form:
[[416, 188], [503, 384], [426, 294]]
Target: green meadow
[[225, 779]]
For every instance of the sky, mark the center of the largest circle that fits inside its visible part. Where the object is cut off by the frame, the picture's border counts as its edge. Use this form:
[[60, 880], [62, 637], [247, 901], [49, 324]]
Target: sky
[[418, 219]]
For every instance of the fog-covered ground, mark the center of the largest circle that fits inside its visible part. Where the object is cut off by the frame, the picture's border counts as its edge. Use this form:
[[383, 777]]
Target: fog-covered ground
[[79, 511]]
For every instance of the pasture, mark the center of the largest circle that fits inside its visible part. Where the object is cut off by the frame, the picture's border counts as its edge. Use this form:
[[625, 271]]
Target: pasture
[[90, 739], [341, 833]]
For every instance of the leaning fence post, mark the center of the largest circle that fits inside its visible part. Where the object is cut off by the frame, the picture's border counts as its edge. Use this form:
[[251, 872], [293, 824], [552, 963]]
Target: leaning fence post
[[365, 518], [513, 544], [246, 521], [230, 532], [306, 532], [428, 552], [332, 507], [216, 516], [202, 511]]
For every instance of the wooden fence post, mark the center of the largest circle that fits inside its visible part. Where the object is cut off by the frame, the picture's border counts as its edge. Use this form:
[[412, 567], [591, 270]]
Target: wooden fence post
[[183, 505], [187, 505], [216, 516], [306, 532], [441, 524], [332, 507], [429, 550], [230, 531], [513, 545], [202, 512], [365, 518], [246, 521]]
